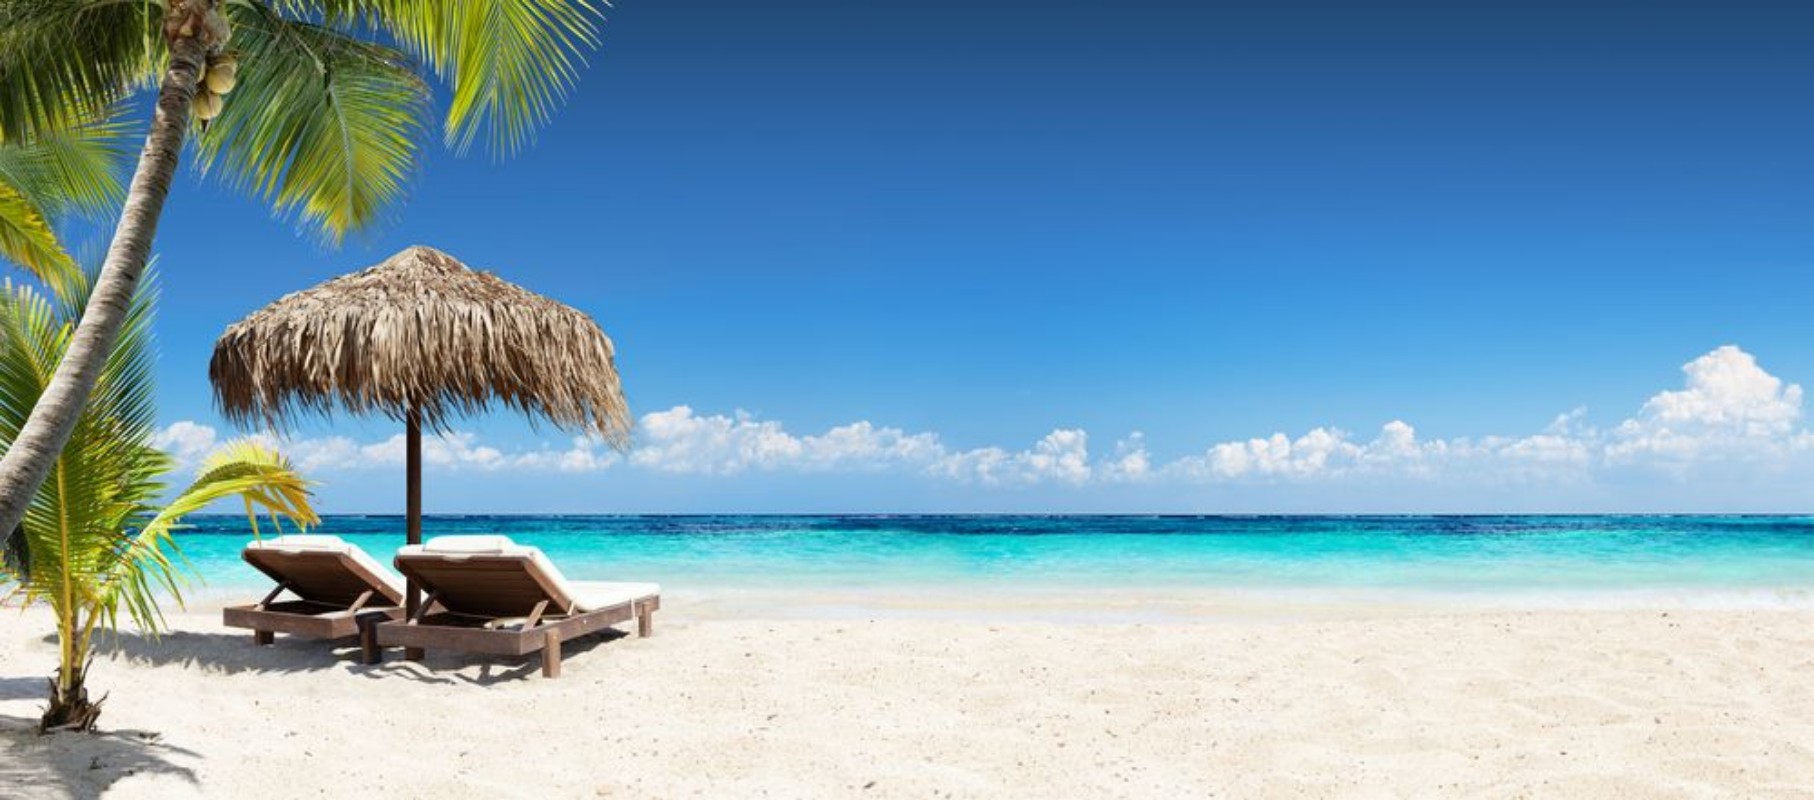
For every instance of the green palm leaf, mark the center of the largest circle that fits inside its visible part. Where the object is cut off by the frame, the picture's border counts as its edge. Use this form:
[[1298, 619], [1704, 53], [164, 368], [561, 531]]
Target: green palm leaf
[[67, 62], [74, 170], [243, 468], [343, 144], [71, 170], [27, 239], [509, 63]]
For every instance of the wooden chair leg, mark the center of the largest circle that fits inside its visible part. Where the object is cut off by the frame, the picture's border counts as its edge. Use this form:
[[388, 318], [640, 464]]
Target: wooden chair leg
[[368, 638], [261, 638], [645, 621], [551, 656]]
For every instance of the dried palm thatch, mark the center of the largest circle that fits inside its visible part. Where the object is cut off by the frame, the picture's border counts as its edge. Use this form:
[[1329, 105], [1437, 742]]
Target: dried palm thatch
[[419, 335]]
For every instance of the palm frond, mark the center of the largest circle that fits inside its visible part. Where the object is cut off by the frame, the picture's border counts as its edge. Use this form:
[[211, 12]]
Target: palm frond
[[509, 63], [52, 173], [32, 339], [27, 239], [65, 62], [322, 125], [71, 170], [242, 468], [252, 469], [25, 320], [107, 475]]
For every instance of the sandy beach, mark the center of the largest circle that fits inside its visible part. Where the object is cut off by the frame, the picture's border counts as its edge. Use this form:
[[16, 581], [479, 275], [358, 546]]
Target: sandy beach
[[1546, 703], [989, 400]]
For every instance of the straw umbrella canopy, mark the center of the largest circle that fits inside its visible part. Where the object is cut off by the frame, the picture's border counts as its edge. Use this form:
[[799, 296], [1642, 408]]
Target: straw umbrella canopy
[[423, 339]]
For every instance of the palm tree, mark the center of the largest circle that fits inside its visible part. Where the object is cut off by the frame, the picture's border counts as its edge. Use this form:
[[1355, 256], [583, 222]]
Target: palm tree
[[96, 542], [323, 123]]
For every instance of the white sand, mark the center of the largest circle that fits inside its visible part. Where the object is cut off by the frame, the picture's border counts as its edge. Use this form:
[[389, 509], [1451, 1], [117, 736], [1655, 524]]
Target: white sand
[[1547, 704]]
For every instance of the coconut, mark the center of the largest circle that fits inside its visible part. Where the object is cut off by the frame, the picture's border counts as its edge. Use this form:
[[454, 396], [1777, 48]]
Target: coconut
[[207, 106], [221, 81]]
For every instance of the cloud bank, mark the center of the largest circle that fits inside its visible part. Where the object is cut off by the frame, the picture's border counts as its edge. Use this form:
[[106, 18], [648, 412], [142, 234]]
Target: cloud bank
[[1729, 411]]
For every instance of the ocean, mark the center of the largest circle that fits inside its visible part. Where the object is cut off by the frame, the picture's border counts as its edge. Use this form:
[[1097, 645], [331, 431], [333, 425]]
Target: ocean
[[1518, 561]]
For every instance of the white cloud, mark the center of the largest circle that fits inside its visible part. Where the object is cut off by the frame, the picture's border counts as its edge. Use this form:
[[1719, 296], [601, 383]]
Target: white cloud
[[1316, 452], [1062, 456], [1131, 462], [455, 449], [680, 441], [1729, 409], [188, 442], [864, 443], [583, 454], [185, 441]]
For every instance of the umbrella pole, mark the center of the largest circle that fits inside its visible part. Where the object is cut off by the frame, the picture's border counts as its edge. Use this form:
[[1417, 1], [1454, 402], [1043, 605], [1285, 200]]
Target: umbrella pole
[[413, 506]]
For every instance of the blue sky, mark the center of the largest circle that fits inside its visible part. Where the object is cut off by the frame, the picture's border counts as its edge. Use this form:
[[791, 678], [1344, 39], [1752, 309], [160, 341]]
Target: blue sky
[[997, 224]]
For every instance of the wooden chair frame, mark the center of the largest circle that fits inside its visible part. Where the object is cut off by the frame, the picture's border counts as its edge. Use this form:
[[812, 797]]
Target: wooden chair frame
[[331, 614], [462, 612], [478, 634]]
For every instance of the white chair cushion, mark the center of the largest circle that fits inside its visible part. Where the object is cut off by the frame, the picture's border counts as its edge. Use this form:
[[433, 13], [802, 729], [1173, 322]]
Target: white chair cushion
[[596, 595], [469, 544], [586, 595]]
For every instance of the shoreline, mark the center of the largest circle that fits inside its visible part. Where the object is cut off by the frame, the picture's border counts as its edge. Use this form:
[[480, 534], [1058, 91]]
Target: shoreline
[[1062, 603], [1555, 703]]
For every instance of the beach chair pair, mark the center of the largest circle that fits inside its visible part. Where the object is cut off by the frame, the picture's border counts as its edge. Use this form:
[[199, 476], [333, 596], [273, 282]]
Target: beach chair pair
[[485, 594]]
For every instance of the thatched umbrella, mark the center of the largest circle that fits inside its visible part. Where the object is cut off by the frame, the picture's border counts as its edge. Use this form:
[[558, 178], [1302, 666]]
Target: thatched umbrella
[[423, 339]]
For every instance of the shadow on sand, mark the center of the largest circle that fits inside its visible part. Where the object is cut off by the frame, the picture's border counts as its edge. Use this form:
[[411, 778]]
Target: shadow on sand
[[232, 653], [447, 667], [25, 688], [80, 766], [229, 653]]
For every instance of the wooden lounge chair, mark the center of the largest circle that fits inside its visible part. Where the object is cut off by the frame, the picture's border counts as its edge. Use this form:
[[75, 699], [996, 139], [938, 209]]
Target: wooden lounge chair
[[501, 598], [334, 582]]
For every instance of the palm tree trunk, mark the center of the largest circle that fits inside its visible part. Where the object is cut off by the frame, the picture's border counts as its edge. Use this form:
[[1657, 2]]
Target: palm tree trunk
[[28, 461], [69, 708]]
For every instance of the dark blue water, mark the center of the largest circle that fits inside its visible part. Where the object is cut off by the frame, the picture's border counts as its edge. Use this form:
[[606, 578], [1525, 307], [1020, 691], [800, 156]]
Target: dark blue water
[[1560, 556]]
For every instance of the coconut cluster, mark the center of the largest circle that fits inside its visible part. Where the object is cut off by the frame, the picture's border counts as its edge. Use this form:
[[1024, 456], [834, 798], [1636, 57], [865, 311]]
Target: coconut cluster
[[215, 84]]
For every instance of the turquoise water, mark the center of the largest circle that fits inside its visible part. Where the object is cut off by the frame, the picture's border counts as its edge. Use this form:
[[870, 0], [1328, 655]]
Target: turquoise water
[[1765, 559]]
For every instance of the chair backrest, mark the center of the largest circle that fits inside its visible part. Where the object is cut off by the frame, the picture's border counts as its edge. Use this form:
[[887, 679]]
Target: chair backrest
[[486, 576], [323, 569]]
